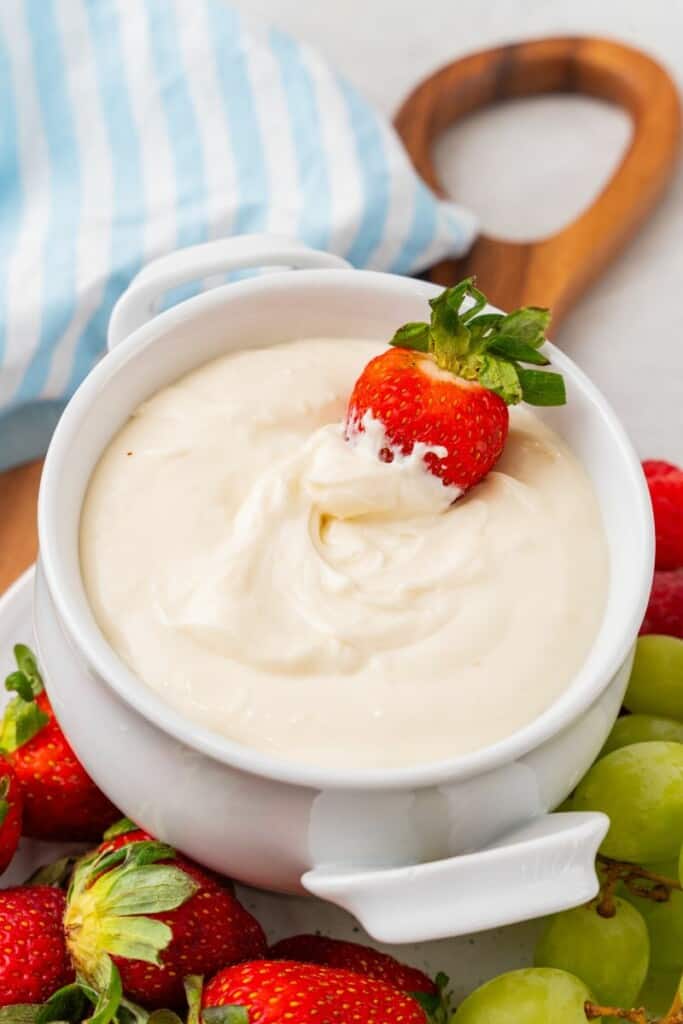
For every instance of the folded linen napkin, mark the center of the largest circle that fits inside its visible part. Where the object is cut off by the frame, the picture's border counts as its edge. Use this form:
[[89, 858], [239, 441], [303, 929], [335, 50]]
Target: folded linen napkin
[[130, 129]]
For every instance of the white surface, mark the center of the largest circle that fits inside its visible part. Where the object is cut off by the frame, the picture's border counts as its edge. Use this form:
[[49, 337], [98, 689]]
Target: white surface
[[533, 164]]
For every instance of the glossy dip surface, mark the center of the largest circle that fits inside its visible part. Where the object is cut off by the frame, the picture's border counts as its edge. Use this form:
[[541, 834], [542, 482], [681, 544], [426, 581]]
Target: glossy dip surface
[[296, 594]]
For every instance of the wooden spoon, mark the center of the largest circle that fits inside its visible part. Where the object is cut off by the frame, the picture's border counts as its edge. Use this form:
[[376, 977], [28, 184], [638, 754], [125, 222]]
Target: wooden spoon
[[553, 271]]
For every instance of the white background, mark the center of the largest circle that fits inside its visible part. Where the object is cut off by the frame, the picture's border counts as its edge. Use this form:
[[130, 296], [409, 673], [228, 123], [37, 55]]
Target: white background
[[528, 167]]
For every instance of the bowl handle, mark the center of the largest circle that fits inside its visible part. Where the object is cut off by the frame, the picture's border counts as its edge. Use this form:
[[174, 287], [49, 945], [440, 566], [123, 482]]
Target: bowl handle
[[541, 868], [138, 303]]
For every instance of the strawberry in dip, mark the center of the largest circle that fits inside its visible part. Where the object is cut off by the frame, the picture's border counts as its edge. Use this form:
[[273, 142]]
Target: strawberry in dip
[[348, 554]]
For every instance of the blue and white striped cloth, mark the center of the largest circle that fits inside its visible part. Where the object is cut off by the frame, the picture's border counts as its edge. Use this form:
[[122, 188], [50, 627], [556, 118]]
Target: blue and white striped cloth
[[129, 128]]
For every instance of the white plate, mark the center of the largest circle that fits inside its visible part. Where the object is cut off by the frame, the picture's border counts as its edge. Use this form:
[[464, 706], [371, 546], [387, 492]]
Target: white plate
[[467, 961]]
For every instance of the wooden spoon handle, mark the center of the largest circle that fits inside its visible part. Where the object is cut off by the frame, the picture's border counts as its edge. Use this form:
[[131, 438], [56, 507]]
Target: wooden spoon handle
[[553, 271]]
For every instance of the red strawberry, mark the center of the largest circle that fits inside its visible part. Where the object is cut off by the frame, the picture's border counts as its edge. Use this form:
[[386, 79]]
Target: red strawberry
[[126, 831], [122, 833], [666, 491], [274, 991], [10, 813], [33, 956], [447, 384], [61, 802], [665, 610], [350, 956], [157, 916]]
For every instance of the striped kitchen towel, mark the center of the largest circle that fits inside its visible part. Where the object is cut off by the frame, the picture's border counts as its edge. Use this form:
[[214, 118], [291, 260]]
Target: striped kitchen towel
[[129, 128]]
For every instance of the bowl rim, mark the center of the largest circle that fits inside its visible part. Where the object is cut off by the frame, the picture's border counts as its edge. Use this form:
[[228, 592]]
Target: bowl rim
[[587, 685]]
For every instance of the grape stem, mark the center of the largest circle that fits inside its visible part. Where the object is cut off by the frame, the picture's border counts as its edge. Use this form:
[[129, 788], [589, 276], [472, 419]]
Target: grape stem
[[657, 888], [594, 1012], [675, 1014]]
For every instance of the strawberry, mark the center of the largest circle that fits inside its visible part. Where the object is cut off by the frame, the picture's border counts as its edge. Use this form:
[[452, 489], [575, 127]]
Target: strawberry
[[10, 813], [447, 385], [33, 958], [126, 831], [122, 833], [351, 956], [61, 802], [274, 991], [665, 610], [155, 917], [665, 483]]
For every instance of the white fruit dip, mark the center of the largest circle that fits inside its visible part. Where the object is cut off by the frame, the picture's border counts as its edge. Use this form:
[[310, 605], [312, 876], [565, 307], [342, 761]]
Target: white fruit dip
[[293, 592]]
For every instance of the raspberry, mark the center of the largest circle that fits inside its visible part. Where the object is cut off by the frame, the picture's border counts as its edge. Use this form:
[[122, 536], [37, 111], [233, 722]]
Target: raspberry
[[664, 613], [665, 482]]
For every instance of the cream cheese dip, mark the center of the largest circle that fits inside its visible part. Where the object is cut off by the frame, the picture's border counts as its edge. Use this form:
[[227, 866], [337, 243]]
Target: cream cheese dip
[[293, 592]]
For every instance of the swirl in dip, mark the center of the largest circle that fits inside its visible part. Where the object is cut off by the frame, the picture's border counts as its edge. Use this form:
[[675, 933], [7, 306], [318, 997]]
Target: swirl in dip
[[293, 592]]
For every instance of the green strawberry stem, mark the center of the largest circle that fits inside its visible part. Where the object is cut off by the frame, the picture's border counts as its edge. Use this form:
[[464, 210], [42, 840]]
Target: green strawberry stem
[[225, 1015], [57, 874], [4, 793], [487, 347], [120, 828], [110, 895], [437, 1005], [72, 1003], [19, 1013], [23, 718], [164, 1017], [79, 1003], [194, 986]]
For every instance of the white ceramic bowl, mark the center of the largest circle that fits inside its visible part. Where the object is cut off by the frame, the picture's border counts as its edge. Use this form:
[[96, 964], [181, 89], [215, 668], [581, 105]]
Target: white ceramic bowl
[[440, 849]]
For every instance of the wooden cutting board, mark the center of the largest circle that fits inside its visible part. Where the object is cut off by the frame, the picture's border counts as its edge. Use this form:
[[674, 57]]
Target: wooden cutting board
[[552, 271]]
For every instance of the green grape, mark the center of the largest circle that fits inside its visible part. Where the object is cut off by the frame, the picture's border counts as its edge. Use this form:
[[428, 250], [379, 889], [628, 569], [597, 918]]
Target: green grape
[[657, 994], [680, 866], [656, 683], [640, 788], [576, 941], [664, 921], [641, 729], [534, 995]]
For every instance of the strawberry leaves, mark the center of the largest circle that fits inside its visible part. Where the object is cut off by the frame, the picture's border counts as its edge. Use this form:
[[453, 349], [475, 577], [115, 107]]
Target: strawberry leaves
[[57, 873], [73, 1003], [225, 1015], [4, 793], [502, 377], [111, 893], [413, 335], [487, 347], [541, 388], [28, 666], [528, 324], [23, 718], [194, 986], [19, 1013], [120, 828], [437, 1005], [213, 1014]]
